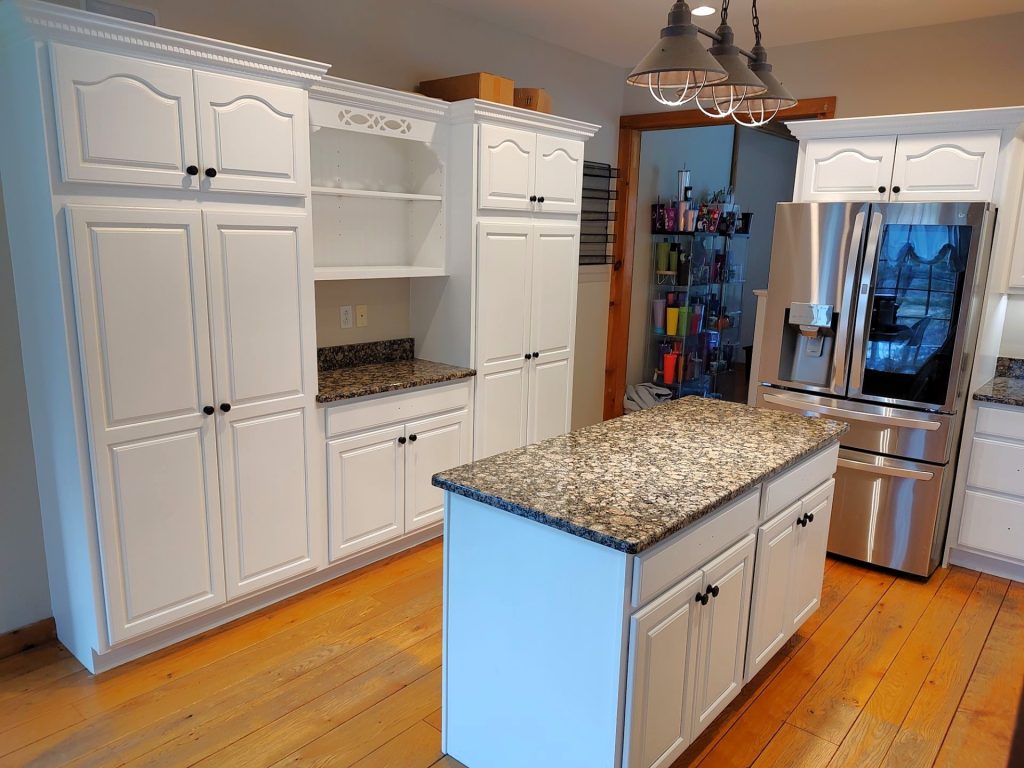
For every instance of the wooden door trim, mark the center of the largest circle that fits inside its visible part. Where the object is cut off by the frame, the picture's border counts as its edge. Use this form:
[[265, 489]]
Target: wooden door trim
[[630, 129]]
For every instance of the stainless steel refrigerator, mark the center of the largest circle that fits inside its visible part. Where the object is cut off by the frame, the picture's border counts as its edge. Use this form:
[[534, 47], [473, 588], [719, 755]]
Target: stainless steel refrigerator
[[872, 318]]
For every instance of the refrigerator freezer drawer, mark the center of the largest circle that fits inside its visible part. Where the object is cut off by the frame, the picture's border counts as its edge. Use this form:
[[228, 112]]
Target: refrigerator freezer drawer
[[892, 431], [890, 512]]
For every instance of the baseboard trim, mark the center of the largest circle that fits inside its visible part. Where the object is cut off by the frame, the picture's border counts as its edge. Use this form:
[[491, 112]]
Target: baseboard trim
[[993, 566], [27, 637]]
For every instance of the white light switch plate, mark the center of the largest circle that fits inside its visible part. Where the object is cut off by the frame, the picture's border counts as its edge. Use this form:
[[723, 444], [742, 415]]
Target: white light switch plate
[[362, 318], [346, 316]]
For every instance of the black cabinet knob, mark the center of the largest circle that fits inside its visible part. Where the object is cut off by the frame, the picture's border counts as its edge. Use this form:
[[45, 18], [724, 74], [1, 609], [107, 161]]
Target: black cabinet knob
[[208, 410], [412, 438], [810, 517], [540, 199], [192, 170], [533, 198], [802, 521], [881, 190], [895, 190], [702, 598], [401, 441], [536, 355], [526, 356], [713, 591], [210, 172], [225, 407]]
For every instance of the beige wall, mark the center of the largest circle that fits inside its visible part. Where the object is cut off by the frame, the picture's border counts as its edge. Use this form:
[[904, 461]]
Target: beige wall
[[591, 341], [387, 305]]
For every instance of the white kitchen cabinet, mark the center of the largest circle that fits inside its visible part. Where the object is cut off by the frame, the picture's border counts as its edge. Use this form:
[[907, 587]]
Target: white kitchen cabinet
[[125, 120], [526, 287], [809, 561], [722, 642], [140, 290], [261, 305], [526, 171], [382, 454], [663, 637], [846, 169], [945, 166], [254, 135]]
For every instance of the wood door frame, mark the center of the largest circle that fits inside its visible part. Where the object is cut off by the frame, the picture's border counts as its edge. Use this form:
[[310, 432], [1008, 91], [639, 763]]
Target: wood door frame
[[630, 129]]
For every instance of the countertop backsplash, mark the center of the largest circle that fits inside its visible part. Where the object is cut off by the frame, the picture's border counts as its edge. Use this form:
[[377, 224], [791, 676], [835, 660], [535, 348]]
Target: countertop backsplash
[[351, 355]]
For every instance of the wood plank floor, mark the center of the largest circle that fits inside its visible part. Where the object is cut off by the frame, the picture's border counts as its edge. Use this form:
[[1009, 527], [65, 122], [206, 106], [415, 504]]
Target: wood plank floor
[[889, 672]]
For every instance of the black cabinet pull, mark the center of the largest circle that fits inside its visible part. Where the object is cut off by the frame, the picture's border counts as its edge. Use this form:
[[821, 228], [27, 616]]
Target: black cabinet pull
[[881, 190], [412, 438], [192, 170], [225, 407], [210, 172], [208, 410], [401, 441], [802, 521], [526, 356], [536, 355], [713, 591], [702, 598], [533, 198], [540, 199], [810, 517], [895, 190]]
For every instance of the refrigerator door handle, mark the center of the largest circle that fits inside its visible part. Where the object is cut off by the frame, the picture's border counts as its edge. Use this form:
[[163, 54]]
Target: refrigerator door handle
[[843, 413], [864, 301], [882, 469], [842, 348]]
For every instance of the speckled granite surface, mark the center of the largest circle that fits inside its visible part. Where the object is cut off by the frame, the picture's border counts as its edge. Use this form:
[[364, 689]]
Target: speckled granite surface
[[376, 378], [633, 481], [350, 355], [1007, 388]]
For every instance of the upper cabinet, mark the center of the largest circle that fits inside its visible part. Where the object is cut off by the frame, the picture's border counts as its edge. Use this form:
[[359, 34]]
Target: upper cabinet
[[525, 171], [122, 120], [931, 167]]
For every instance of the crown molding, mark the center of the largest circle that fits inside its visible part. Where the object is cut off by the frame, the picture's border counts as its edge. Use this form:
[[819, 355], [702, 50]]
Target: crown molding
[[45, 21], [922, 122], [472, 110], [340, 91]]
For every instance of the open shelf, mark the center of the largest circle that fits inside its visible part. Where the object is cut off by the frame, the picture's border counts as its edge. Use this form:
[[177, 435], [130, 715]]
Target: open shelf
[[368, 273], [374, 193]]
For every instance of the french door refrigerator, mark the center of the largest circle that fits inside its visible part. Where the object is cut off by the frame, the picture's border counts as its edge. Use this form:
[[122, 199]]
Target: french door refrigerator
[[872, 318]]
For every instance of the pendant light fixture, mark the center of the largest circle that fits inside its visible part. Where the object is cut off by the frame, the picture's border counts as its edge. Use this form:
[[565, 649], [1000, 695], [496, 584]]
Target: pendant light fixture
[[722, 99], [677, 67], [759, 110]]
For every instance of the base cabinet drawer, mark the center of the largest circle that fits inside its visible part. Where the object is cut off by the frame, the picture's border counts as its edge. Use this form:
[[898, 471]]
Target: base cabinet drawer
[[993, 524], [997, 466]]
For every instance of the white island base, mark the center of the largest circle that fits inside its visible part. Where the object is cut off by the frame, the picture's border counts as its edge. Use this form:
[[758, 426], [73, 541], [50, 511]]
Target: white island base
[[562, 652]]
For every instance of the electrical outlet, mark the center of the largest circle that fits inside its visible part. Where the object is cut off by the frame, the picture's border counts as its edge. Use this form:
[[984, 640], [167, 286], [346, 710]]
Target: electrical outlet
[[346, 316], [362, 318]]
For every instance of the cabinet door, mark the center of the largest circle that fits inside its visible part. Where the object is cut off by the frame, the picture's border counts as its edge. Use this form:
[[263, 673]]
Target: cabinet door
[[555, 255], [365, 483], [847, 169], [261, 312], [140, 294], [662, 642], [434, 445], [559, 175], [123, 120], [809, 561], [254, 135], [771, 623], [502, 337], [507, 168], [946, 166], [723, 633]]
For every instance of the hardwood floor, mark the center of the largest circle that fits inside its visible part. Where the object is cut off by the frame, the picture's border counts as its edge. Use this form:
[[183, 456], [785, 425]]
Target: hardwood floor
[[889, 672]]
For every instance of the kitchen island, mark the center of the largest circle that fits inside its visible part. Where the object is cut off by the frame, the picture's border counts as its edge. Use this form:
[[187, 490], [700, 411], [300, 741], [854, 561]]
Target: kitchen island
[[608, 592]]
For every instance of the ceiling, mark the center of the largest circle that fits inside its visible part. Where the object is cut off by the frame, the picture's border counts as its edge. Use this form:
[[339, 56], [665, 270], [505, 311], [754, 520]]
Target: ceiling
[[621, 32]]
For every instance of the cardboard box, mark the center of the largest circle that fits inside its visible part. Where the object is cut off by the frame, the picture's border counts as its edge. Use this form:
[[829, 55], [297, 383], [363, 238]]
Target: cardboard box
[[536, 99], [478, 85]]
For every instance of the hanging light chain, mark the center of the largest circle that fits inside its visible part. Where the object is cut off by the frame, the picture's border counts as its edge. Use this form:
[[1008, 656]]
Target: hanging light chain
[[756, 22], [725, 11]]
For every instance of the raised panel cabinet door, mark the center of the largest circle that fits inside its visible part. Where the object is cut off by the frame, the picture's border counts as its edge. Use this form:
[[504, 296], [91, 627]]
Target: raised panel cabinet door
[[946, 166], [559, 180], [140, 295], [253, 135], [507, 168], [503, 354], [261, 315], [434, 445], [365, 490], [552, 329], [122, 120], [847, 169], [659, 687], [723, 632], [770, 621], [809, 562]]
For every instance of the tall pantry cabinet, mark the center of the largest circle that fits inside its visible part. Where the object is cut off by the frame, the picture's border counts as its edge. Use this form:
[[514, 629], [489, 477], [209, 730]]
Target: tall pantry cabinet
[[517, 182], [156, 189]]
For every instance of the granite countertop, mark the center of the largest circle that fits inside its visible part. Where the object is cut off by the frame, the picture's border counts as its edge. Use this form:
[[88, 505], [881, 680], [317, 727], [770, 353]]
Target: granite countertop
[[1007, 388], [372, 368], [630, 482], [375, 378]]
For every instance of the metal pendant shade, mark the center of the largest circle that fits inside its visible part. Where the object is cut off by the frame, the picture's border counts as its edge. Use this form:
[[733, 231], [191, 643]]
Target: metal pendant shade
[[758, 110], [722, 99], [678, 64]]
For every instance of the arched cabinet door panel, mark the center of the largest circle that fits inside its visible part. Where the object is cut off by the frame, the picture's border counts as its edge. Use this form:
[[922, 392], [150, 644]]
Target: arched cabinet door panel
[[847, 169], [252, 135], [946, 166], [559, 184], [123, 120], [507, 168]]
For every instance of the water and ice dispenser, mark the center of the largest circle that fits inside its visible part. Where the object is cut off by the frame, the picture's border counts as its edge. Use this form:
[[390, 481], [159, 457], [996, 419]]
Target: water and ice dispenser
[[807, 341]]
